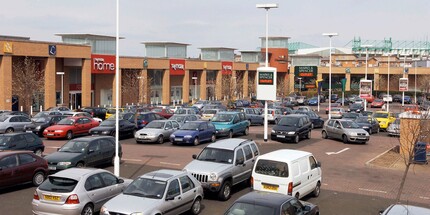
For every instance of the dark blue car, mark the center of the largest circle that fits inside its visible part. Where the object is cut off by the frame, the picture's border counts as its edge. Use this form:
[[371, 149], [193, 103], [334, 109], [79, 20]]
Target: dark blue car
[[407, 100], [193, 133], [313, 101], [317, 121]]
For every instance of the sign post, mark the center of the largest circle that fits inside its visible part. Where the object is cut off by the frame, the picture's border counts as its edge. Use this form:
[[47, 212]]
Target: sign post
[[343, 81], [318, 84], [266, 90], [365, 91]]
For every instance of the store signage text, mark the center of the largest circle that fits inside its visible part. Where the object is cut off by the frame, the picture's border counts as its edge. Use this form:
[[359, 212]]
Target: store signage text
[[103, 64], [177, 67], [227, 68]]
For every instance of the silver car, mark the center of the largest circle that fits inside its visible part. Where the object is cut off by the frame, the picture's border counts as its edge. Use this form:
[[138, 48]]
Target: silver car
[[159, 192], [156, 131], [345, 130], [183, 118], [394, 128], [337, 113], [77, 191], [13, 123]]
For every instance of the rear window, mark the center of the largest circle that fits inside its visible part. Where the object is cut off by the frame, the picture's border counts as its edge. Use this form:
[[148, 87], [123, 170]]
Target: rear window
[[272, 168], [209, 112], [58, 185]]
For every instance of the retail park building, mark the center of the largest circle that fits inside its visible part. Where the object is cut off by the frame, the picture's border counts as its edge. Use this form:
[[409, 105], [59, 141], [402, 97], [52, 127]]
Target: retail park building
[[82, 68]]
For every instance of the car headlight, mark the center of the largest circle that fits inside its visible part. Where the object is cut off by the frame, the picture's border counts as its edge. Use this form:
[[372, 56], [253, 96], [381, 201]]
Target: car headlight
[[37, 127], [365, 127], [172, 136], [291, 132], [212, 177], [58, 131], [104, 210], [105, 132], [349, 109], [64, 163], [273, 131], [136, 213], [353, 133], [188, 136]]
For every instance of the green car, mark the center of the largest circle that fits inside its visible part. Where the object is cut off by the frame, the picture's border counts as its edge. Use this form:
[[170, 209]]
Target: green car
[[230, 123]]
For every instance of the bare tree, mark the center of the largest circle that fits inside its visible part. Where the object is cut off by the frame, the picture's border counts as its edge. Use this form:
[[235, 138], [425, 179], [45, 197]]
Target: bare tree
[[251, 86], [227, 86], [130, 85], [27, 80], [281, 87]]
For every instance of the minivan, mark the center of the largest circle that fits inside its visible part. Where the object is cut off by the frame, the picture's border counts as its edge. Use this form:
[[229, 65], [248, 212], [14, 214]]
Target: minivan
[[290, 172]]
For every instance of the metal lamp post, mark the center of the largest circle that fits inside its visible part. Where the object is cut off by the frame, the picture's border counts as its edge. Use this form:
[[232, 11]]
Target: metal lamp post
[[388, 84], [330, 35], [404, 72], [116, 159], [365, 76], [266, 7]]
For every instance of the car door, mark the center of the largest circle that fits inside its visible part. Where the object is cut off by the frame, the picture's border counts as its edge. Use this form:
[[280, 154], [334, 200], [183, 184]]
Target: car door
[[113, 188], [239, 167], [107, 150], [174, 203], [94, 153], [23, 122], [203, 132], [88, 124], [188, 189], [97, 191], [18, 142], [315, 173], [249, 162], [244, 123], [8, 173], [26, 166], [329, 128], [337, 130]]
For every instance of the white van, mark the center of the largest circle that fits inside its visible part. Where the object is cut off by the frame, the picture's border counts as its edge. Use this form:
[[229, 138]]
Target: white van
[[290, 172]]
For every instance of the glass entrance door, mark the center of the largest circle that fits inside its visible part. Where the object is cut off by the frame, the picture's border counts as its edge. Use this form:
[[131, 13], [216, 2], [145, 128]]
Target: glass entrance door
[[176, 94], [75, 99]]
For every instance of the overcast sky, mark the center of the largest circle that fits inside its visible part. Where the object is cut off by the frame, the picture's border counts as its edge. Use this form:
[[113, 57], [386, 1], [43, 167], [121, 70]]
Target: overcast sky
[[217, 23]]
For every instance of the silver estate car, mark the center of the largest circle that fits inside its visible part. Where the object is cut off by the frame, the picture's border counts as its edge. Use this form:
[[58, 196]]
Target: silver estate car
[[345, 130], [167, 192], [13, 123], [156, 131], [77, 191]]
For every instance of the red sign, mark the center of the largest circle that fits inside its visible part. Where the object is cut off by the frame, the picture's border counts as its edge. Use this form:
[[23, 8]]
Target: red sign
[[102, 64], [177, 67], [78, 87], [227, 68]]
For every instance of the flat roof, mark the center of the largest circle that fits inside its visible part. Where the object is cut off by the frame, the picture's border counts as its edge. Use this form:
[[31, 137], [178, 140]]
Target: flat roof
[[217, 48], [165, 43], [83, 36], [10, 37], [275, 37]]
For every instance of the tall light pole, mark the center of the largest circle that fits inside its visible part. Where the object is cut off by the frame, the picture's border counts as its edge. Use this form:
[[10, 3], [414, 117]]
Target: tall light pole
[[365, 76], [388, 83], [415, 87], [116, 159], [266, 7], [62, 86], [330, 35], [404, 72]]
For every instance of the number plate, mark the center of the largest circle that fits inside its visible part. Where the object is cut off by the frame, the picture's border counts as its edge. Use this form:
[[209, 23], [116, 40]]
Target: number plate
[[178, 139], [280, 136], [270, 187], [51, 198], [52, 167], [49, 134], [29, 131]]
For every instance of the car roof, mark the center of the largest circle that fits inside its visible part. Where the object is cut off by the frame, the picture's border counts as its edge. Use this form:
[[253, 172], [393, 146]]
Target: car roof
[[273, 200], [13, 152], [280, 155], [229, 144], [400, 209], [162, 174], [90, 138], [76, 173], [295, 115]]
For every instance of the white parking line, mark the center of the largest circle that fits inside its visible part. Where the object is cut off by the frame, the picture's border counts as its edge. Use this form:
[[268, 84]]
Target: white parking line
[[335, 153], [370, 190], [127, 159], [173, 164], [53, 147]]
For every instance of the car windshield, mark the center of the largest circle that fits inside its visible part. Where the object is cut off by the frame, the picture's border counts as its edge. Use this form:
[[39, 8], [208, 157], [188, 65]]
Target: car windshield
[[108, 123], [378, 100], [146, 187], [41, 114], [349, 124], [190, 126], [155, 124], [216, 155], [58, 185], [4, 140], [178, 118], [209, 112], [349, 115], [363, 120], [66, 121], [74, 146], [289, 121], [113, 111], [158, 110], [355, 105], [250, 209], [41, 119], [380, 115], [222, 118]]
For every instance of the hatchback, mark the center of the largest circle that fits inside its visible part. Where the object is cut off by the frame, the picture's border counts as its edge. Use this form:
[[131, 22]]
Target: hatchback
[[77, 191], [156, 131], [13, 123], [142, 119], [345, 130], [39, 124], [22, 141], [194, 133]]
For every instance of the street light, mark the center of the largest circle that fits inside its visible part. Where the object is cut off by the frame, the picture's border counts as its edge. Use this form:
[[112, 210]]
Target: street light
[[404, 72], [62, 86], [388, 83], [330, 35], [415, 87], [116, 159], [365, 76], [266, 7]]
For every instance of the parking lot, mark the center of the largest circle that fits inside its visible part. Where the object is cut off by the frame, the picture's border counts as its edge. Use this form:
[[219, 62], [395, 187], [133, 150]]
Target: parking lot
[[350, 185]]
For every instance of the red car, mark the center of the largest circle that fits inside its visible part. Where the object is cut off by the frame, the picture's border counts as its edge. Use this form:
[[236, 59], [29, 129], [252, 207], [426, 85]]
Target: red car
[[19, 167], [333, 105], [369, 98], [164, 112], [377, 103], [70, 127]]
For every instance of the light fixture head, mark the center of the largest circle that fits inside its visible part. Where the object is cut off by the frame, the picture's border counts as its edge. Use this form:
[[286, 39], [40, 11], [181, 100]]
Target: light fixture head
[[267, 6], [330, 34]]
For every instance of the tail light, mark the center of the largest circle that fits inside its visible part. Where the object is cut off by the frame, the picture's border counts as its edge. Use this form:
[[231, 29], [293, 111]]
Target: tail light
[[92, 114], [251, 181], [290, 188], [35, 196], [73, 199], [273, 113]]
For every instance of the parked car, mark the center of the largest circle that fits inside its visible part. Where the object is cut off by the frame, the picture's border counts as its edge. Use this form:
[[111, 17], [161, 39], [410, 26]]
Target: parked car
[[337, 113], [224, 164], [157, 131], [394, 128], [407, 100], [45, 114], [313, 101], [302, 100], [84, 151], [377, 103], [253, 116], [70, 127], [401, 209], [164, 112], [183, 118], [230, 123], [334, 98], [97, 112], [17, 167], [359, 101], [384, 118], [199, 104], [273, 115], [22, 141], [333, 105], [38, 125], [77, 191], [291, 128], [15, 113], [304, 108], [81, 113], [368, 98], [343, 101], [13, 123], [58, 109], [356, 107], [289, 172], [345, 130], [369, 124], [207, 114], [163, 191], [143, 118], [316, 120], [194, 132], [351, 115], [258, 203], [108, 127], [187, 111], [397, 98], [112, 111]]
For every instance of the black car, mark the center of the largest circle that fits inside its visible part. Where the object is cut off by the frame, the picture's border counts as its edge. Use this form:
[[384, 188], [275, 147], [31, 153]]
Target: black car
[[107, 127], [292, 127], [317, 121], [84, 151], [22, 141], [142, 119], [259, 203], [39, 124], [351, 115], [334, 97], [370, 124], [356, 107], [397, 98], [95, 112]]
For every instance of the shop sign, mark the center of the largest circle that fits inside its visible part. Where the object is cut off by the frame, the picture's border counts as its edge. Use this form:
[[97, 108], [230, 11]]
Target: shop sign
[[365, 88], [177, 67], [403, 84], [306, 71], [103, 64], [227, 68], [266, 85]]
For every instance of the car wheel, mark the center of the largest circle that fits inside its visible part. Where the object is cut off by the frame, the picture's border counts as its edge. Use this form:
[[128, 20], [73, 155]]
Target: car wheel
[[38, 152], [225, 191], [276, 121], [38, 178], [317, 190], [324, 135], [345, 138], [196, 141], [196, 207], [133, 133], [296, 139], [213, 138], [69, 135], [297, 195], [80, 165], [308, 136], [246, 132], [88, 210], [9, 130], [230, 134], [312, 126], [160, 139], [377, 130]]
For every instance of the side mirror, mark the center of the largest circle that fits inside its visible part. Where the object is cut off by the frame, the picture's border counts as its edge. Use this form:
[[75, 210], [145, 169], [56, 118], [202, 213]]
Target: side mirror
[[90, 151], [169, 198], [120, 180], [318, 164], [194, 156]]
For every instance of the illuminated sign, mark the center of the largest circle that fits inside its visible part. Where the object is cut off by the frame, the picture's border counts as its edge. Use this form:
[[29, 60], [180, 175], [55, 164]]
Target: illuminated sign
[[266, 84]]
